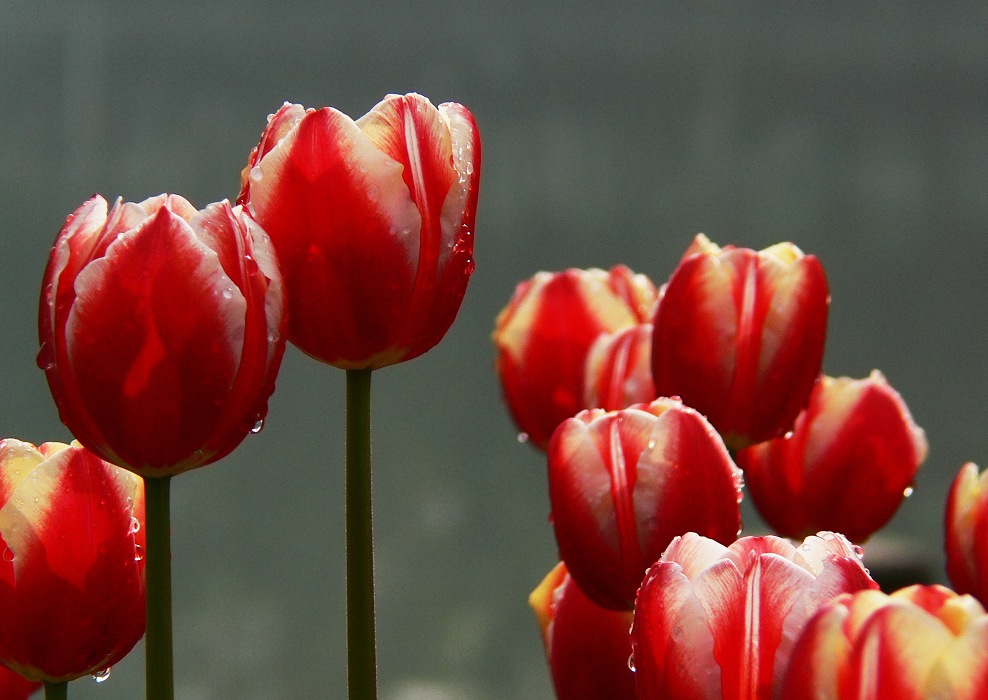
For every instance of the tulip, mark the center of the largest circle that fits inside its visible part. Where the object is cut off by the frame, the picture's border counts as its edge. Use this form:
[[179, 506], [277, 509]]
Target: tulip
[[739, 336], [373, 222], [719, 622], [622, 484], [161, 330], [587, 647], [619, 369], [919, 642], [71, 572], [966, 532], [545, 333], [846, 465], [14, 686]]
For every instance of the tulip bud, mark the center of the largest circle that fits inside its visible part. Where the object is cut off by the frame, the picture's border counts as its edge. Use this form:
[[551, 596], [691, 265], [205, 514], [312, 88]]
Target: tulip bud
[[619, 369], [373, 222], [715, 622], [543, 336], [739, 336], [623, 484], [917, 643], [587, 647], [966, 532], [71, 571], [846, 465], [162, 330]]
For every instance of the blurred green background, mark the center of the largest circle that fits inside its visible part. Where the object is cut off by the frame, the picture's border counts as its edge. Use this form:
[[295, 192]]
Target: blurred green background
[[611, 134]]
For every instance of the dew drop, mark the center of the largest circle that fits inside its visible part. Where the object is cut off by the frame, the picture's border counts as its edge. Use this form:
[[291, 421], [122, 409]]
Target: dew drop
[[256, 175], [908, 492], [101, 676], [258, 426], [469, 168], [523, 438], [651, 444], [631, 663], [469, 266], [788, 435], [228, 293], [858, 551], [135, 526], [138, 552], [8, 554]]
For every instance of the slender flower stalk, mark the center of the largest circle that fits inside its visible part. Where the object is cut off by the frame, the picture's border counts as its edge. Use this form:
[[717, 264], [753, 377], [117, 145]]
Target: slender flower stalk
[[158, 657], [361, 645], [56, 691]]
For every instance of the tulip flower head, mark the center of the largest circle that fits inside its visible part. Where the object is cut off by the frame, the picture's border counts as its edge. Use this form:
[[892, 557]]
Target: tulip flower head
[[373, 223], [622, 484], [715, 622], [544, 335], [162, 330], [587, 647], [966, 532], [739, 336], [918, 643], [846, 465], [71, 572]]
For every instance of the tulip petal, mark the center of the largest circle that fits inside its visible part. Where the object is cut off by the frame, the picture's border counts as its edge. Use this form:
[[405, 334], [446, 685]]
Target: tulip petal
[[347, 232], [134, 341]]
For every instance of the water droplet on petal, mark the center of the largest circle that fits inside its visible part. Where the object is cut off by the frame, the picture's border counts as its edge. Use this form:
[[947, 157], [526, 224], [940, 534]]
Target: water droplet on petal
[[469, 266], [138, 552], [788, 435], [908, 492], [858, 551], [631, 663], [135, 526], [651, 444], [101, 676], [523, 437], [8, 554], [258, 426], [228, 293]]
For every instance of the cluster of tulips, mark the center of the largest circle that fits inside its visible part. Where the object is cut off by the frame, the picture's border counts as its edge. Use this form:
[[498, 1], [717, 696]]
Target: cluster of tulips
[[162, 329], [655, 407]]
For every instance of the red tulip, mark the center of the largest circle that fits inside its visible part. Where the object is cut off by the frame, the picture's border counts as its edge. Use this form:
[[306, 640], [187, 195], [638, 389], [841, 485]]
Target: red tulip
[[543, 337], [917, 643], [846, 465], [719, 622], [619, 369], [586, 646], [966, 532], [14, 686], [71, 572], [161, 330], [623, 484], [739, 336], [373, 222]]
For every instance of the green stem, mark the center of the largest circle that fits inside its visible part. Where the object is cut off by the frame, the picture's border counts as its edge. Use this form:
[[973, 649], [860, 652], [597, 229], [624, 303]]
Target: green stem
[[158, 572], [56, 691], [361, 647]]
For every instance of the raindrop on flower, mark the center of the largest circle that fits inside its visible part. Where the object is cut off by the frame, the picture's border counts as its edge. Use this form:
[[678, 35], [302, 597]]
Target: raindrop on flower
[[227, 293], [908, 492], [631, 663], [258, 426], [788, 435], [8, 554], [138, 552], [651, 444], [101, 676], [469, 266], [859, 551], [523, 437], [135, 526]]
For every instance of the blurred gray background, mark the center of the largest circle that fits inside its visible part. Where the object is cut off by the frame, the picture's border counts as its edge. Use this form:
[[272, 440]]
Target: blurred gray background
[[611, 134]]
